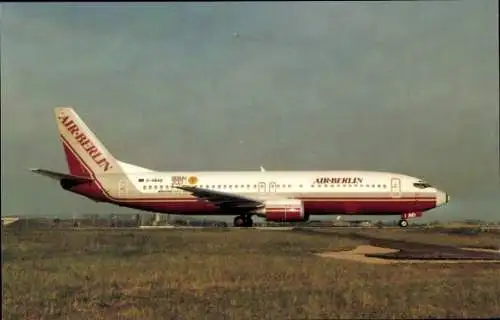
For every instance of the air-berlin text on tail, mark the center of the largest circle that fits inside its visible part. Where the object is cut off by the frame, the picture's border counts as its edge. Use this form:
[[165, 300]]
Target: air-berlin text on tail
[[348, 180], [85, 142]]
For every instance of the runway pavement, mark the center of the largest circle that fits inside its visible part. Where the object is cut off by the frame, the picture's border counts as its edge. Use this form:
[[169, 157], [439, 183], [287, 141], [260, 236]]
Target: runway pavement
[[411, 250]]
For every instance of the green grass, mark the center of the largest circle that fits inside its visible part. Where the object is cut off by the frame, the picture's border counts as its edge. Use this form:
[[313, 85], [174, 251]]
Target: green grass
[[239, 274]]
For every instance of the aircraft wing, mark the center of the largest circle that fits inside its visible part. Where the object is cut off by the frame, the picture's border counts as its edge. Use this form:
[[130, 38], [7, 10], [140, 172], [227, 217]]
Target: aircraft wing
[[60, 176], [224, 200]]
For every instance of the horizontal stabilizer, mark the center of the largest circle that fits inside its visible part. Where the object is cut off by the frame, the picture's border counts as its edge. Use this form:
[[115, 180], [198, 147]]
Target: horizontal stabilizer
[[60, 176]]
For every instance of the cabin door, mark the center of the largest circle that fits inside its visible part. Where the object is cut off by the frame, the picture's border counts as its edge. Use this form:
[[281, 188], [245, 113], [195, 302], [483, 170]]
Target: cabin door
[[272, 187], [396, 188], [262, 187]]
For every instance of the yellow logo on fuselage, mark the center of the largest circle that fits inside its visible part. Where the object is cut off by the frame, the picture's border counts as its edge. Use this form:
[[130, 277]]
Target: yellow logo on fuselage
[[192, 180]]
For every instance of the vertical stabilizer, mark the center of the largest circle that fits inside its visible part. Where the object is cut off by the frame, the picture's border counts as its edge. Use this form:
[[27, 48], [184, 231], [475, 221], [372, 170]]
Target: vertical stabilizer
[[85, 154]]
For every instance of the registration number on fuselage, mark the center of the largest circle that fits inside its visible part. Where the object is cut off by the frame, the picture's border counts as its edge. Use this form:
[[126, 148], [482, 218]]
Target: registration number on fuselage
[[151, 180]]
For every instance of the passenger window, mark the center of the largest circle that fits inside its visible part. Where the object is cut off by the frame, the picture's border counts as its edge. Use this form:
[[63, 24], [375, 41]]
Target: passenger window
[[300, 186]]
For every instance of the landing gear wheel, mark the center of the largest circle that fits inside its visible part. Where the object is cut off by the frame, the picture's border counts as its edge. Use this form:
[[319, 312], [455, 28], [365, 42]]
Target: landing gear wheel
[[248, 222], [243, 221], [403, 223], [239, 221]]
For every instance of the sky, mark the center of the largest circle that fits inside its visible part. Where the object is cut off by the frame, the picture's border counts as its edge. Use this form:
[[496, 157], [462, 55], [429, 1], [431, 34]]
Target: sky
[[409, 87]]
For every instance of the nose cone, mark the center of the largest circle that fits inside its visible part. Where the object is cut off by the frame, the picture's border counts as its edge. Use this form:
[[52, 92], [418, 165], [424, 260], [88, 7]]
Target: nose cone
[[442, 198]]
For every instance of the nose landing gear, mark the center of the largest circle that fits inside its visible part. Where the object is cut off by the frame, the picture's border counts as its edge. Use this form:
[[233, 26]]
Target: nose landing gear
[[405, 216], [403, 223]]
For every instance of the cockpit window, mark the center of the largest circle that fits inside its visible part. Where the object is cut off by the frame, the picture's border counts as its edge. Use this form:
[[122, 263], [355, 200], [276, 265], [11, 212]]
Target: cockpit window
[[421, 185]]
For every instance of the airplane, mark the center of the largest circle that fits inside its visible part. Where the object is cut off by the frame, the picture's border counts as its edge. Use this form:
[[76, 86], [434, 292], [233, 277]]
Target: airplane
[[279, 196]]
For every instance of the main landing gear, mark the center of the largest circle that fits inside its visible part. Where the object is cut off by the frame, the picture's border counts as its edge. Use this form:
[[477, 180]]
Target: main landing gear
[[243, 221]]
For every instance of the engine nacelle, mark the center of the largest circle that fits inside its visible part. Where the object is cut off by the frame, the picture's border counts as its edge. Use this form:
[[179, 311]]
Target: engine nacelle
[[283, 210]]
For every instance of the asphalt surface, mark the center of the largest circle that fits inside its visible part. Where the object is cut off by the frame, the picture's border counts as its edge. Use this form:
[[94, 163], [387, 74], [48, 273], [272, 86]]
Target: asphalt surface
[[413, 250]]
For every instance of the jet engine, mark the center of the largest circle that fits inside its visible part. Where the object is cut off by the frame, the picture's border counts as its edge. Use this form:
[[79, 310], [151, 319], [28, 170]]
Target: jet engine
[[283, 210]]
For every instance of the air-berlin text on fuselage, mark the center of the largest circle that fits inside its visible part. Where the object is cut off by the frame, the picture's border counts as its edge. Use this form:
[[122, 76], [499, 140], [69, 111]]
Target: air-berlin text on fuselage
[[346, 180], [85, 142]]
